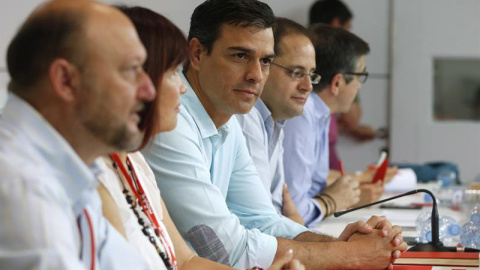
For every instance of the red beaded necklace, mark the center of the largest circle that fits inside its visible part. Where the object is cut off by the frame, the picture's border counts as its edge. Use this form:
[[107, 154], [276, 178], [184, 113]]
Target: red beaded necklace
[[167, 255]]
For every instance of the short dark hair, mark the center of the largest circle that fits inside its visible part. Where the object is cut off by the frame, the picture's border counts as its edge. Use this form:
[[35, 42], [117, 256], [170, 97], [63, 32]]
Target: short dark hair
[[166, 47], [336, 51], [209, 16], [324, 11], [287, 27], [44, 37]]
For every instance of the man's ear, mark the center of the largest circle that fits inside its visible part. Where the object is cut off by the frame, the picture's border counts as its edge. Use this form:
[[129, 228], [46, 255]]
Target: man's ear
[[64, 79], [195, 50], [336, 22], [336, 84]]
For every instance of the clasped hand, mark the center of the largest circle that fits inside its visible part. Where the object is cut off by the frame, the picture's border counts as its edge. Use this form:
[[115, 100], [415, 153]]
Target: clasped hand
[[377, 243]]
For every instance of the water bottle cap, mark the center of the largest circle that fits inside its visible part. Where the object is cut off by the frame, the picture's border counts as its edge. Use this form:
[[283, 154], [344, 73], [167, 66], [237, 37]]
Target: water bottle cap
[[454, 229], [428, 236]]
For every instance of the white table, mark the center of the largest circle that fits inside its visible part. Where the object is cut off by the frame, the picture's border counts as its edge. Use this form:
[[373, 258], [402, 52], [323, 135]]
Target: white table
[[405, 218]]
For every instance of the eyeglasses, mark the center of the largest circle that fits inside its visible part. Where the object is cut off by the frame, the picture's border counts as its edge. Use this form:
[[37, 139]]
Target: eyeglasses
[[362, 76], [299, 74]]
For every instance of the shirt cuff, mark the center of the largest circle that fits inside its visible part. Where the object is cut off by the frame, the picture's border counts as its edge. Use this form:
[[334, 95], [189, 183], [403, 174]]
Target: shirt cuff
[[315, 216], [268, 249], [260, 251]]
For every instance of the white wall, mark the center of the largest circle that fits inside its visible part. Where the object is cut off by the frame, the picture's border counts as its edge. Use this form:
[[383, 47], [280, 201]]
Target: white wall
[[424, 30], [12, 13], [179, 11], [374, 93]]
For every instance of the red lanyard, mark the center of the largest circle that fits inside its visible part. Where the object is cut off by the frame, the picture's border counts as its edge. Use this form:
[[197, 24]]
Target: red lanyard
[[142, 199], [92, 237]]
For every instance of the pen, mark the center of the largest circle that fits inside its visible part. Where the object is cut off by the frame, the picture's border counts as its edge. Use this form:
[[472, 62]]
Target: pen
[[340, 164]]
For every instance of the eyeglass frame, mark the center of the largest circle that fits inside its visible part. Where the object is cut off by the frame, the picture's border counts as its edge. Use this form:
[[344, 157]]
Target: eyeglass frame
[[358, 74], [303, 74]]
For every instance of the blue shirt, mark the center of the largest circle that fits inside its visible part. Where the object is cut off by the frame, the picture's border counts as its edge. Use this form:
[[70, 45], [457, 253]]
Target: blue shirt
[[44, 189], [212, 190], [264, 141], [306, 157]]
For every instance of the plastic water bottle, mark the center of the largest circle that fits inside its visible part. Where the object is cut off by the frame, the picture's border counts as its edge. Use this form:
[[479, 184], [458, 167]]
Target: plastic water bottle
[[475, 214], [445, 180], [423, 225], [448, 228], [470, 235]]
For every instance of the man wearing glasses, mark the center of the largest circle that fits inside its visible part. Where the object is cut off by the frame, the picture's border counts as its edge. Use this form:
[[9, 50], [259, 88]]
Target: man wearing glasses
[[340, 59], [285, 93]]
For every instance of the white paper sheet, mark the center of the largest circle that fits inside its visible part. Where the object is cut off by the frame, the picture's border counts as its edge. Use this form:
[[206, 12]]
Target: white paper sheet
[[405, 180]]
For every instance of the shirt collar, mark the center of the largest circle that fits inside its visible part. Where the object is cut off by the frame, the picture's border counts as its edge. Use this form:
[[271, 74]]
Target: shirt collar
[[73, 174], [203, 121], [322, 111], [267, 117]]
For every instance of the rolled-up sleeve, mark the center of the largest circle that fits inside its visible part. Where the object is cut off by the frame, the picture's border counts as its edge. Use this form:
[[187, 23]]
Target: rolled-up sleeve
[[222, 193]]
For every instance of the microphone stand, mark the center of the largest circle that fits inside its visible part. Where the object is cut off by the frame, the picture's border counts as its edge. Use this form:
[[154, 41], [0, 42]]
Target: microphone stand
[[436, 245]]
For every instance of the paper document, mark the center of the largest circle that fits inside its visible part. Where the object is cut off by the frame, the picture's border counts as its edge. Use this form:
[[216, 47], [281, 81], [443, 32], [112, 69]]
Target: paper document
[[405, 180]]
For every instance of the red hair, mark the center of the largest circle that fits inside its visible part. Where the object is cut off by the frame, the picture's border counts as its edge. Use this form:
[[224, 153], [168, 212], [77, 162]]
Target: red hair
[[166, 48]]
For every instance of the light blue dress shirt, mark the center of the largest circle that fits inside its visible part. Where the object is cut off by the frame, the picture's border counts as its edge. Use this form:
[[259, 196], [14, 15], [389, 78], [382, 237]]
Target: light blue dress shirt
[[208, 180], [306, 157], [44, 189], [264, 141]]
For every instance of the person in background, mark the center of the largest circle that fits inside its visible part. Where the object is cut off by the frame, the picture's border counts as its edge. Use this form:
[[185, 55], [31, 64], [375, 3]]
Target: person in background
[[340, 58], [77, 91], [208, 180], [286, 91], [128, 185], [337, 14]]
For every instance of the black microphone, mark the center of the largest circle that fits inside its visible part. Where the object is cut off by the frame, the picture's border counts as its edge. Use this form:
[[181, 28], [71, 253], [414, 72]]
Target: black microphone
[[436, 244]]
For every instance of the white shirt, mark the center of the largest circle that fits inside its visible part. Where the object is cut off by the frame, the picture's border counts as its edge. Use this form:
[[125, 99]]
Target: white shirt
[[264, 141], [44, 189], [132, 229]]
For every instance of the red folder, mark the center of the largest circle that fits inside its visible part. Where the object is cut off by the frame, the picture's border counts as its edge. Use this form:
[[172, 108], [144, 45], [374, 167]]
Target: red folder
[[466, 259], [380, 172]]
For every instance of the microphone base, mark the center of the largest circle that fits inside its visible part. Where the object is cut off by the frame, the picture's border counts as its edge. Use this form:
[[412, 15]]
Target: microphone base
[[429, 247]]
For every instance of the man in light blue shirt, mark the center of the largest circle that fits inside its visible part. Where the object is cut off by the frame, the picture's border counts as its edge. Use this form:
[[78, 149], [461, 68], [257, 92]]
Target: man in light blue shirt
[[68, 104], [207, 178], [340, 58]]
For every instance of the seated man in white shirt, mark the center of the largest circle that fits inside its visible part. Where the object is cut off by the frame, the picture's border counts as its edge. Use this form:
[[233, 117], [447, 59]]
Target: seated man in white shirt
[[286, 91], [208, 180], [76, 90]]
